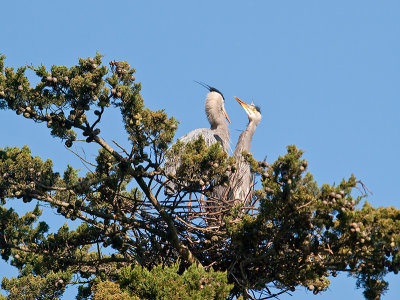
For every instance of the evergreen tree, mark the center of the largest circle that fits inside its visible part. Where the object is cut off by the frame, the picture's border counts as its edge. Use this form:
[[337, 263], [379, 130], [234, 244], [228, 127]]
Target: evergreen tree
[[135, 242]]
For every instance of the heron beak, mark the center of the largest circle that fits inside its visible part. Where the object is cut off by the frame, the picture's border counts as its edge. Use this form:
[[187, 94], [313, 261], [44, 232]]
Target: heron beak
[[243, 104], [226, 116]]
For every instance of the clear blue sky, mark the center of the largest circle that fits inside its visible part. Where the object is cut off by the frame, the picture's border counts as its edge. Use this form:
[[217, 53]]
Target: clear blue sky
[[325, 73]]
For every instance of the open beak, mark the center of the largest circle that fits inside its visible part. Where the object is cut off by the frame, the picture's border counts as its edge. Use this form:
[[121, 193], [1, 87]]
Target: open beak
[[226, 116], [245, 106]]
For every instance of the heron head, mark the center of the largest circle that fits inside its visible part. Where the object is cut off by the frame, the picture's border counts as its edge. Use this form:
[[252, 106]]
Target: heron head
[[215, 103], [252, 111]]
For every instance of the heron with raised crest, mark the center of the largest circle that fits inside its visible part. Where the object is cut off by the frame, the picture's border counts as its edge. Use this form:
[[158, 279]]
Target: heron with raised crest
[[217, 133]]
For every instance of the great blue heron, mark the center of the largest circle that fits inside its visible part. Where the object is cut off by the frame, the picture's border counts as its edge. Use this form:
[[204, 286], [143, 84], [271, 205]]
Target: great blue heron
[[218, 132], [241, 181]]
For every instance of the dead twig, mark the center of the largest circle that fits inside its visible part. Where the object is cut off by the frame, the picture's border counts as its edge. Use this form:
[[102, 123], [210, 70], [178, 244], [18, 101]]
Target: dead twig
[[364, 187], [119, 146]]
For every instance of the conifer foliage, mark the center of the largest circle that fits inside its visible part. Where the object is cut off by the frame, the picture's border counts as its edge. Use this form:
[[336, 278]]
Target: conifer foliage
[[133, 242]]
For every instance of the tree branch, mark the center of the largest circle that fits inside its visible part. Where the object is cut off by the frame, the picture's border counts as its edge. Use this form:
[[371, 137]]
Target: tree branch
[[174, 239]]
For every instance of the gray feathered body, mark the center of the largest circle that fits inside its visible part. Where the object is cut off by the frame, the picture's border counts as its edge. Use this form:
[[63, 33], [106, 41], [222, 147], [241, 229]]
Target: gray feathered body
[[210, 136]]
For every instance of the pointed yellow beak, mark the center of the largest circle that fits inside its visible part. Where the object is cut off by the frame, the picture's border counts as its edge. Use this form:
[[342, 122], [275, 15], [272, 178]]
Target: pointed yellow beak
[[226, 116], [245, 106]]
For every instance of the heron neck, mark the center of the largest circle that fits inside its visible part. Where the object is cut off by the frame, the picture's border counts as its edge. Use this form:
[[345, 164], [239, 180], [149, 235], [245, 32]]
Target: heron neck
[[222, 131], [244, 141], [218, 124]]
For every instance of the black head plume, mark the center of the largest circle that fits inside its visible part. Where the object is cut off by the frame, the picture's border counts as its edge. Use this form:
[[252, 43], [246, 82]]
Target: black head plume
[[210, 88], [256, 107]]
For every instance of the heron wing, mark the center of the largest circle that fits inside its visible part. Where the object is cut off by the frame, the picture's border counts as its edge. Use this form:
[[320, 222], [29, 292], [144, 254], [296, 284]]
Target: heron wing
[[171, 165], [207, 134]]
